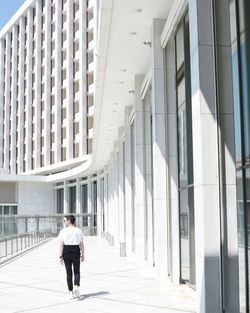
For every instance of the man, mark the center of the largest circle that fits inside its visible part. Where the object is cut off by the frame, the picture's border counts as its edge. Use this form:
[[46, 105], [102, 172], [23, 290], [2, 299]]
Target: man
[[71, 252]]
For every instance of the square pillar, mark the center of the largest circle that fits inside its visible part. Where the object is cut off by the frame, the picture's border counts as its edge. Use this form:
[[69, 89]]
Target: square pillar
[[128, 187], [209, 119], [159, 155], [139, 173]]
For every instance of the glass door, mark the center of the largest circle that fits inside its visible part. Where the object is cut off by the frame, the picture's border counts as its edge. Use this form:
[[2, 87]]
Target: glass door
[[185, 154]]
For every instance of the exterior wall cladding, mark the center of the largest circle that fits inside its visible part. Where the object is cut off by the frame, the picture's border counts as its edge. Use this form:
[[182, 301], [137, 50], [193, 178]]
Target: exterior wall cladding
[[43, 105]]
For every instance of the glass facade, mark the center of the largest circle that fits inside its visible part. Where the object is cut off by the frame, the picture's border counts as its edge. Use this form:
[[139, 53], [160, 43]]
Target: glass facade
[[185, 153], [95, 201], [8, 225], [84, 196], [240, 47], [72, 199], [59, 200]]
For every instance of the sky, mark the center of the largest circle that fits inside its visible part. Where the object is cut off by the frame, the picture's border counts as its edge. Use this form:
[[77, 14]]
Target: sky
[[7, 9]]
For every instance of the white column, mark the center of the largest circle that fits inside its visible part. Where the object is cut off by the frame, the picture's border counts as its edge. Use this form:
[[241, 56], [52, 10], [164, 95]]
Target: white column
[[58, 79], [159, 155], [139, 173], [128, 190], [78, 196], [47, 83], [13, 112], [172, 157], [230, 251], [82, 80], [90, 210], [7, 102], [106, 211], [206, 184], [65, 199], [69, 81], [121, 187], [37, 100], [149, 253], [116, 199], [20, 113], [111, 217], [99, 207], [28, 108], [2, 66]]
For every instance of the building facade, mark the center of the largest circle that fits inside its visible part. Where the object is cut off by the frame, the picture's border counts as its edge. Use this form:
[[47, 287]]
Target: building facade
[[46, 70], [163, 115]]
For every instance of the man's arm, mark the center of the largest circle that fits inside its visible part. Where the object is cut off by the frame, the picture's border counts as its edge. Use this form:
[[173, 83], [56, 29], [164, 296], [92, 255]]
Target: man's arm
[[61, 245], [81, 245]]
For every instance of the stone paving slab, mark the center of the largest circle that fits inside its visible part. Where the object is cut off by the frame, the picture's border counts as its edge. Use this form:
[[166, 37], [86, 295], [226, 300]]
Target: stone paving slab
[[36, 282]]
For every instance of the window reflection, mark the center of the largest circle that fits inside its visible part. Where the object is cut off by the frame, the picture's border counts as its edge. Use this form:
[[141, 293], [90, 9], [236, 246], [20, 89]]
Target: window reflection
[[185, 153], [240, 47]]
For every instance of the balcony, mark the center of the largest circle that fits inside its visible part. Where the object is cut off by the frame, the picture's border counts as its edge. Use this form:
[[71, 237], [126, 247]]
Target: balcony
[[91, 67], [90, 133], [90, 5], [91, 45], [91, 25], [91, 89], [91, 110]]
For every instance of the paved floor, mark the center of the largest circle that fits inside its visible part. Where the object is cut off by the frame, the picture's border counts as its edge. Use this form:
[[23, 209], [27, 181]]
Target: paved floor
[[35, 282]]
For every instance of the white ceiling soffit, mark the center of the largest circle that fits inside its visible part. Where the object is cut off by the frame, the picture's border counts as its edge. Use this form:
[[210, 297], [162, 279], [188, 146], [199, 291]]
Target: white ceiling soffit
[[71, 173], [123, 52]]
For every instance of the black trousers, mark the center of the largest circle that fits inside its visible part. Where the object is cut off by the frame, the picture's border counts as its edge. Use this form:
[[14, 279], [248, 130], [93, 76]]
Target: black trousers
[[71, 257]]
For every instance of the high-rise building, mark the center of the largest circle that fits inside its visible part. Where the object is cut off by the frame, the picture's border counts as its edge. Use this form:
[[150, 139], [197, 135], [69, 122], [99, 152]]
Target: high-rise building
[[46, 72]]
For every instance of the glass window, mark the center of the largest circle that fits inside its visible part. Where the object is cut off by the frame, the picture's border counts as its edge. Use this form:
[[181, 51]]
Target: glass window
[[72, 199], [13, 209], [240, 55], [59, 202], [180, 48], [84, 198], [185, 153], [76, 150]]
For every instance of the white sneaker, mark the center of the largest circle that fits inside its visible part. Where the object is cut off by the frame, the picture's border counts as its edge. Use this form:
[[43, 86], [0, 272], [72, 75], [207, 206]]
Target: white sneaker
[[76, 293], [71, 295]]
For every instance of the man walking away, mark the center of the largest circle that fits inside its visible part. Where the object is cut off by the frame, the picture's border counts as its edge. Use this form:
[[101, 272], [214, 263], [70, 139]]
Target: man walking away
[[71, 252]]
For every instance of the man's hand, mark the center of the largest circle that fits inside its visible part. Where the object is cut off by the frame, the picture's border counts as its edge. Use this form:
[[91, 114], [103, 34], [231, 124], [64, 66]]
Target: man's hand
[[61, 260], [82, 258]]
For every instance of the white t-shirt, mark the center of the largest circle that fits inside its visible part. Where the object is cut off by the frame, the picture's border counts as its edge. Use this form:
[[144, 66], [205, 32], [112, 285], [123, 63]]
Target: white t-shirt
[[71, 235]]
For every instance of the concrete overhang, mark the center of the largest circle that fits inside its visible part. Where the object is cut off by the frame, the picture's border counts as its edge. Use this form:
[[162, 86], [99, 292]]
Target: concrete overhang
[[123, 50], [72, 173]]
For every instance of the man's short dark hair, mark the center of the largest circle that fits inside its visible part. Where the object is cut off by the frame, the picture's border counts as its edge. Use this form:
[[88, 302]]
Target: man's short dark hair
[[70, 218]]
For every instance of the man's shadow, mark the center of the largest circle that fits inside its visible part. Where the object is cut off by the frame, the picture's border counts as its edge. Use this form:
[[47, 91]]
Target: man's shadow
[[95, 294]]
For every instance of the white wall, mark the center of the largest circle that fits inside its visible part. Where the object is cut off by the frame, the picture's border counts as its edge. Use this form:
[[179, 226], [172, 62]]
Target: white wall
[[35, 198]]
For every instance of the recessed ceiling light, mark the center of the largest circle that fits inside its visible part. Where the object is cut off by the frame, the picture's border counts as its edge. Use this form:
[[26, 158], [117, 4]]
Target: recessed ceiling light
[[138, 10], [147, 43], [133, 33], [120, 82], [123, 70]]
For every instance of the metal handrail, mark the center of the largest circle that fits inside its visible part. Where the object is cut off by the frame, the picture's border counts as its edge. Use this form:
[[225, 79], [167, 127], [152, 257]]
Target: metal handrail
[[16, 244], [19, 233]]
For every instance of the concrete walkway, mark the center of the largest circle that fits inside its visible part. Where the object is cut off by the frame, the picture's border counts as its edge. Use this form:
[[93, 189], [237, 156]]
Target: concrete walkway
[[35, 282]]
